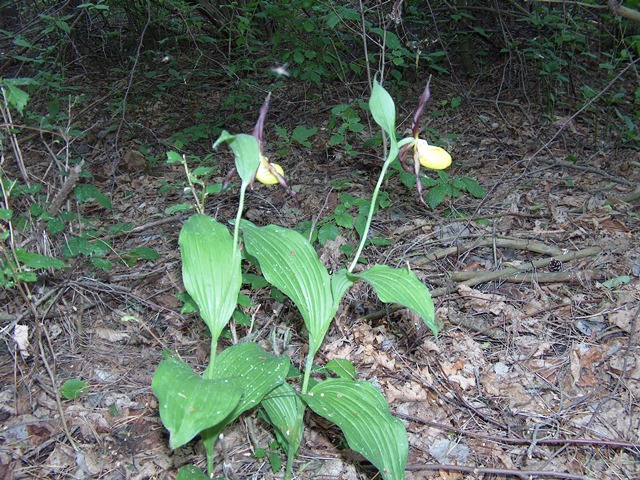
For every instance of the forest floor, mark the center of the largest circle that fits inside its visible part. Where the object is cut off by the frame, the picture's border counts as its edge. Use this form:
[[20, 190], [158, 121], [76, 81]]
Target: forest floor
[[536, 372]]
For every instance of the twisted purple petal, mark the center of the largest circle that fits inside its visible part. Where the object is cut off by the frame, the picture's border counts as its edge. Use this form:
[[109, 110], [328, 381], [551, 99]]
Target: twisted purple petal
[[422, 101], [257, 130]]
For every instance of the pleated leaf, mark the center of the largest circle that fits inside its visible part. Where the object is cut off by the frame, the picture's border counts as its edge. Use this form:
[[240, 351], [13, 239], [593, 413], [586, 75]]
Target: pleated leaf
[[246, 150], [383, 109], [189, 403], [289, 263], [258, 370], [399, 285], [363, 415], [286, 413], [340, 283], [210, 272]]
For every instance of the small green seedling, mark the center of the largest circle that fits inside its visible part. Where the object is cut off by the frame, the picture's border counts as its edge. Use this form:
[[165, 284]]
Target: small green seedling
[[74, 388]]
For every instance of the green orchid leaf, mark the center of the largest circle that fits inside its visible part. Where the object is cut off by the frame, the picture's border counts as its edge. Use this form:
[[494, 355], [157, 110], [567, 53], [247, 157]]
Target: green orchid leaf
[[289, 263], [247, 152], [286, 413], [210, 271], [383, 110], [363, 415], [399, 285], [340, 283], [190, 403], [342, 368], [258, 371], [74, 388], [191, 472]]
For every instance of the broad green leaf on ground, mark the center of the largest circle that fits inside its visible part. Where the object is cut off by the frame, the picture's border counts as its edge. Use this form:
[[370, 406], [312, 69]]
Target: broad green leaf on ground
[[191, 472], [210, 271], [286, 413], [73, 388], [16, 97], [363, 415], [436, 195], [35, 260], [258, 371], [343, 368], [399, 285], [473, 187], [90, 193], [189, 403], [301, 134], [289, 263], [383, 109]]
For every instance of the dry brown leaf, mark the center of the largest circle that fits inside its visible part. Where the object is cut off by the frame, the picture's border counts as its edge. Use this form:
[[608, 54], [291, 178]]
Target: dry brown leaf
[[110, 335], [623, 319]]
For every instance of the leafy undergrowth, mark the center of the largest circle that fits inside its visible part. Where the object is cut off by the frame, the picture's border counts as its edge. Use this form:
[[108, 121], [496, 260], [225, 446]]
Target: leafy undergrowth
[[537, 367]]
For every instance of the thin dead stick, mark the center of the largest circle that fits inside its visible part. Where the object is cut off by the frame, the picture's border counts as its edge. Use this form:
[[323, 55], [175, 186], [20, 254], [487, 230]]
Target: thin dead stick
[[67, 188], [496, 471], [632, 197], [584, 276], [424, 223], [586, 168], [504, 273], [54, 384], [530, 245], [522, 441], [582, 109]]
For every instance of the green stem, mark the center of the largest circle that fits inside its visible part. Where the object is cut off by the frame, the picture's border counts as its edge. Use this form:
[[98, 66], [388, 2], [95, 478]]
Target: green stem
[[307, 371], [236, 226], [288, 473], [392, 156], [208, 373], [199, 206]]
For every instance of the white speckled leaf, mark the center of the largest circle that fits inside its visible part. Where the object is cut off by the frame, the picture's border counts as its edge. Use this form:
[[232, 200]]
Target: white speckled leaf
[[191, 472], [286, 413], [258, 371], [189, 403]]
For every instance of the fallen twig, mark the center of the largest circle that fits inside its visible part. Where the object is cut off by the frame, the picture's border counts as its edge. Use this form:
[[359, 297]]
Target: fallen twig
[[496, 471], [586, 168], [502, 242], [518, 272]]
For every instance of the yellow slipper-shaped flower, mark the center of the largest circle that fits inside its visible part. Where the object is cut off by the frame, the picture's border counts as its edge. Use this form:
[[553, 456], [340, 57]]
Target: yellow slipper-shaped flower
[[264, 175], [430, 156]]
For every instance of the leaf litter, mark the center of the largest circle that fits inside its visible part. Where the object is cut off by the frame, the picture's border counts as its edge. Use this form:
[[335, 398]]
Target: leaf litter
[[526, 376]]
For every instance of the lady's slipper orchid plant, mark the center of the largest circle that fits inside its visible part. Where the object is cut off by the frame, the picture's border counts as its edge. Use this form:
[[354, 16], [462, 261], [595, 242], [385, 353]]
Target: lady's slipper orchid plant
[[425, 155], [267, 173]]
